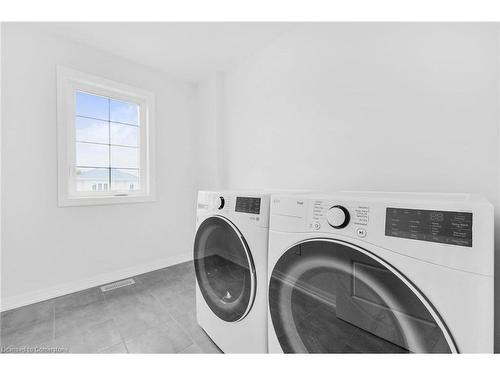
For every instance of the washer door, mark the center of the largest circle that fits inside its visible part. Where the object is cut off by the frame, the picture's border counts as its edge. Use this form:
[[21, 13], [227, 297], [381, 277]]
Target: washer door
[[224, 269], [329, 296]]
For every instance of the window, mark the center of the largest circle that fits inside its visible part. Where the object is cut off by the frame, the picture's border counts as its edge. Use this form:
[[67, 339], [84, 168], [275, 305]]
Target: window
[[105, 141]]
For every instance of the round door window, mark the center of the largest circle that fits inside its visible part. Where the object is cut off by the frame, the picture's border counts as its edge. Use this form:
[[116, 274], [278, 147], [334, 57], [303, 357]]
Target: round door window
[[327, 296], [224, 269]]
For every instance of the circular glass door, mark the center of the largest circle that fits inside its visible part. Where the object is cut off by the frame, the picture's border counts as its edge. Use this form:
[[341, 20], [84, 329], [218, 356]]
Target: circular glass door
[[327, 296], [224, 269]]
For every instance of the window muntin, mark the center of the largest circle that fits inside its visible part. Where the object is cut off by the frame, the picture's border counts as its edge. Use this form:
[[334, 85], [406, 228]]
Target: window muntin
[[103, 145], [105, 137]]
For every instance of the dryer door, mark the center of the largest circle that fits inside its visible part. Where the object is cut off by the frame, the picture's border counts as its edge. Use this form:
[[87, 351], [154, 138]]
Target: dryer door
[[224, 269], [329, 296]]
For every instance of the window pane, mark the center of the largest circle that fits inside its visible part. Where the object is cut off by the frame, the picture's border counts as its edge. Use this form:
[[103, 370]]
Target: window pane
[[124, 157], [92, 155], [90, 130], [94, 106], [125, 179], [92, 179], [125, 112], [125, 135]]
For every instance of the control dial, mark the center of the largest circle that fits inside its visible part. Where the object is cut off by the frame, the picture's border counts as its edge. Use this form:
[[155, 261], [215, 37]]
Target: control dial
[[338, 217], [219, 202]]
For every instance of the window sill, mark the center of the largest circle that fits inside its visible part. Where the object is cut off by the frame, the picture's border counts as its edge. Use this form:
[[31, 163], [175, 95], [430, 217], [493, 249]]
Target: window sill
[[104, 200]]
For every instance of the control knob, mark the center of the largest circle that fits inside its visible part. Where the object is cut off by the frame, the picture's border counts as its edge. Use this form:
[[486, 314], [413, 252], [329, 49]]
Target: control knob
[[338, 217], [219, 203]]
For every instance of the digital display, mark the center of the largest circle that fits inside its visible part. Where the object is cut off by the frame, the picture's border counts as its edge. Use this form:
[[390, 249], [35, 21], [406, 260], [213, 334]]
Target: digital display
[[248, 205], [453, 228]]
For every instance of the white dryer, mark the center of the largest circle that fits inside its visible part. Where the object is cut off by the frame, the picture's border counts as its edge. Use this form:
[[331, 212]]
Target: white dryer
[[230, 259], [380, 272]]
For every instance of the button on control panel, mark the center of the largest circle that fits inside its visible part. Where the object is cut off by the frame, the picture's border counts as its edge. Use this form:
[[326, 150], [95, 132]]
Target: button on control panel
[[361, 232]]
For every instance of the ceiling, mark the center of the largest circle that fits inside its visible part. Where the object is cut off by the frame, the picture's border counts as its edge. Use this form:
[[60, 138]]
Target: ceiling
[[186, 50]]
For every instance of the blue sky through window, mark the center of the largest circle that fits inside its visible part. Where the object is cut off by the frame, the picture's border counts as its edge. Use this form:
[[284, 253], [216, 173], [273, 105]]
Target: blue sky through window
[[107, 143], [127, 113], [93, 106]]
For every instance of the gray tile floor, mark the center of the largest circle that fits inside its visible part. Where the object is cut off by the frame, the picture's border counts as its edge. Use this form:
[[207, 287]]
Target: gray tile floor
[[155, 315]]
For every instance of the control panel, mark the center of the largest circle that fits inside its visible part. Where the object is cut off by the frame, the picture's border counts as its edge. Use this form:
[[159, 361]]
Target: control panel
[[335, 216], [235, 206], [452, 232], [248, 205], [449, 227]]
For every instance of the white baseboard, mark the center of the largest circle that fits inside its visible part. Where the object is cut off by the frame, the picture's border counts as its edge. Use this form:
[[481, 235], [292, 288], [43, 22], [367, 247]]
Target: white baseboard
[[24, 299]]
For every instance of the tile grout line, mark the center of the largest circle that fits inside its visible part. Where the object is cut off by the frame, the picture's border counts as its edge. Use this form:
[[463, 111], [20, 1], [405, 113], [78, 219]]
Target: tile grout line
[[110, 346], [54, 324], [193, 342], [162, 306], [113, 318], [126, 347], [112, 314], [169, 314]]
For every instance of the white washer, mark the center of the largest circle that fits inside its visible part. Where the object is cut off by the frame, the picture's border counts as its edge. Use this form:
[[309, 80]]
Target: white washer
[[230, 258], [380, 272]]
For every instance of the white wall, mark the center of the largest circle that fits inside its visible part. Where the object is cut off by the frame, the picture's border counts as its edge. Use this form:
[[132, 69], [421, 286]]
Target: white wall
[[392, 107], [209, 131], [48, 250]]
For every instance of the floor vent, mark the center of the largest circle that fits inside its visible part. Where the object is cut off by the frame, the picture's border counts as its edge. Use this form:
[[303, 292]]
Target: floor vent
[[118, 284]]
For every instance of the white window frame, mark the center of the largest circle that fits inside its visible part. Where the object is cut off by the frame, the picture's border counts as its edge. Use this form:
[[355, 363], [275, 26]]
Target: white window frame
[[68, 82]]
